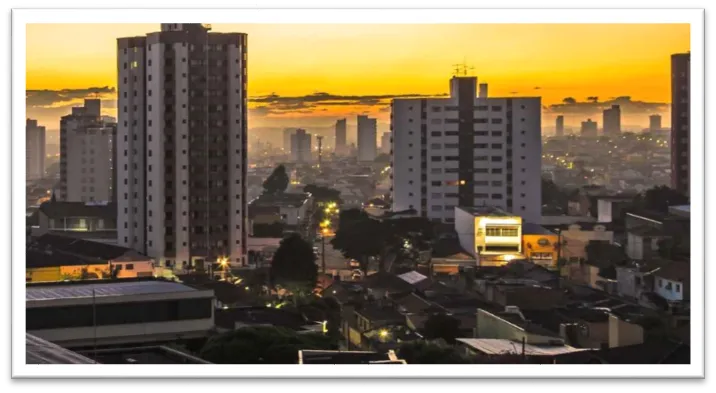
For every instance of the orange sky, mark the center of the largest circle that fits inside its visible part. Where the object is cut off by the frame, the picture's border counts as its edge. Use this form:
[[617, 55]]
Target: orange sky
[[550, 60]]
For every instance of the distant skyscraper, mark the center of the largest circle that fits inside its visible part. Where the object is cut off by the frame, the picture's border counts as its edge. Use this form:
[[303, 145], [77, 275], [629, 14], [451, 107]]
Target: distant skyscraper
[[589, 128], [367, 132], [301, 146], [559, 126], [340, 147], [34, 150], [287, 132], [654, 122], [680, 121], [87, 155], [182, 145], [385, 142], [467, 150], [612, 121]]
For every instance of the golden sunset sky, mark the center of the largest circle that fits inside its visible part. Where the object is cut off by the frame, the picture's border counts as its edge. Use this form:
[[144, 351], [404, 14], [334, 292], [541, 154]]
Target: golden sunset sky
[[361, 64]]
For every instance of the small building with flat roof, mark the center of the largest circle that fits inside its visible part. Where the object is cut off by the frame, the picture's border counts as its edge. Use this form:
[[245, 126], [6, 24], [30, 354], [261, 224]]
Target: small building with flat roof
[[113, 312], [489, 234]]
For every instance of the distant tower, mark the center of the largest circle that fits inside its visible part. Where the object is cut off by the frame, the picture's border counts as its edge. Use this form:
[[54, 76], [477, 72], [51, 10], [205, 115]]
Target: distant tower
[[320, 148], [559, 126]]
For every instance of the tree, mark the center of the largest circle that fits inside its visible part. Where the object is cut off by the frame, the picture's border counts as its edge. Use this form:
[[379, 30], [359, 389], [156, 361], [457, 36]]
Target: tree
[[277, 182], [262, 345], [420, 352], [359, 237], [442, 326], [659, 199], [269, 230], [293, 265], [323, 194]]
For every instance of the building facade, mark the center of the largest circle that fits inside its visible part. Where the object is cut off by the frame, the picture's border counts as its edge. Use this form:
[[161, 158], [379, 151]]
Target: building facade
[[655, 123], [182, 145], [466, 151], [367, 132], [341, 129], [87, 155], [385, 142], [559, 126], [301, 146], [611, 120], [680, 121], [34, 150], [589, 128]]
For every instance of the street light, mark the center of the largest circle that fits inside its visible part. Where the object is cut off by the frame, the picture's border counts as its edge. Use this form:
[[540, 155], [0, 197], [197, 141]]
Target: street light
[[325, 233]]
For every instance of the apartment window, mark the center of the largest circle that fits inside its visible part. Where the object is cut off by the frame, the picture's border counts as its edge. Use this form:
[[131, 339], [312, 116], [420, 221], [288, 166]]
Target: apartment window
[[496, 196], [435, 183], [480, 158], [497, 183], [435, 171], [436, 146], [436, 133], [452, 145], [496, 108], [451, 133], [436, 158], [436, 195], [496, 133], [452, 158], [483, 196], [435, 121], [451, 170], [436, 109], [481, 120], [481, 182], [481, 133], [436, 208], [496, 159], [497, 145], [496, 170], [482, 107], [481, 145]]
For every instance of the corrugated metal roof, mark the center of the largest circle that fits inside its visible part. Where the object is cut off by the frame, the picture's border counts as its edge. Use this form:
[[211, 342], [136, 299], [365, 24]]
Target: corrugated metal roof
[[39, 351], [104, 289], [412, 277], [493, 346]]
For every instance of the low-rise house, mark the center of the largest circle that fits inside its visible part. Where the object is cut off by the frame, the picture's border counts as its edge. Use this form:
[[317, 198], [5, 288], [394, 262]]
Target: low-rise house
[[540, 245], [293, 210], [348, 357], [576, 237], [672, 282], [95, 221]]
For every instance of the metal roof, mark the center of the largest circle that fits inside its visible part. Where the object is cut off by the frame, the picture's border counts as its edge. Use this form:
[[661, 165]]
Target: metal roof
[[493, 346], [60, 291], [412, 277], [39, 351]]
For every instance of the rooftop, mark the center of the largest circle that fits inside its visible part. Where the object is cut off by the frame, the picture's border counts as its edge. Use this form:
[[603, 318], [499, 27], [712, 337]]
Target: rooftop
[[107, 211], [37, 292], [85, 248], [347, 357], [281, 200], [484, 211], [144, 355], [529, 228], [39, 351], [492, 346]]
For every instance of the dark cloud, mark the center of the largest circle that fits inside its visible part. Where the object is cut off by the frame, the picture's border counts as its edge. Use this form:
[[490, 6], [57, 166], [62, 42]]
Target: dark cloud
[[593, 106], [65, 97], [274, 104]]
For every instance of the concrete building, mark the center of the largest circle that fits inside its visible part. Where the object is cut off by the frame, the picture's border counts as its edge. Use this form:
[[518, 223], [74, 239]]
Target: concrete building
[[488, 234], [611, 121], [287, 132], [341, 147], [87, 155], [589, 128], [655, 123], [301, 146], [467, 151], [559, 126], [182, 144], [385, 142], [34, 150], [680, 123], [367, 132]]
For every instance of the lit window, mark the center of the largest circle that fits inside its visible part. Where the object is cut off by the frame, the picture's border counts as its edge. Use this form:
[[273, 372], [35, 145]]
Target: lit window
[[135, 64]]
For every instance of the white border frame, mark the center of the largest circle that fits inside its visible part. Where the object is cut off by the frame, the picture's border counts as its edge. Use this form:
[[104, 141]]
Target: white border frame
[[694, 17]]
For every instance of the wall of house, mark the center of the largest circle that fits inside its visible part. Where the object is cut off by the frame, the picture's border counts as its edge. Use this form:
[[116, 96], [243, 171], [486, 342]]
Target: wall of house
[[577, 239], [43, 274], [668, 289], [492, 326], [540, 249], [626, 282], [622, 333]]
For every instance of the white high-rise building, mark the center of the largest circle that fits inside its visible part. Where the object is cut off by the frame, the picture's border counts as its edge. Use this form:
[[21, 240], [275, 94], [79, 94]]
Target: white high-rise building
[[182, 145], [34, 150], [467, 151], [301, 146], [367, 132], [87, 155]]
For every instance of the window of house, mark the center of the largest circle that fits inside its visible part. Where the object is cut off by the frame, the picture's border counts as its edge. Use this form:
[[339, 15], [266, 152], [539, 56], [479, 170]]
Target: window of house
[[678, 287]]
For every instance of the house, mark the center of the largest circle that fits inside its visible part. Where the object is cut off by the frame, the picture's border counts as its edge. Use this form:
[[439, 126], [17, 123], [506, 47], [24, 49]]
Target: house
[[637, 278], [57, 258], [511, 324], [95, 221], [575, 238], [496, 348], [293, 210], [672, 282], [643, 242], [540, 245], [348, 357]]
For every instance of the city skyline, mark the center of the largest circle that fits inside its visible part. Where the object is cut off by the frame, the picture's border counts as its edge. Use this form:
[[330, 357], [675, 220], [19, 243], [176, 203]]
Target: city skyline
[[573, 67]]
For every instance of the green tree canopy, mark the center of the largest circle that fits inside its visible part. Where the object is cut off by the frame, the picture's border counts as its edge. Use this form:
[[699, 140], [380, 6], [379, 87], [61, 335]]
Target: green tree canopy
[[659, 199], [323, 194], [262, 345], [359, 237], [442, 326], [277, 182], [269, 230], [293, 264]]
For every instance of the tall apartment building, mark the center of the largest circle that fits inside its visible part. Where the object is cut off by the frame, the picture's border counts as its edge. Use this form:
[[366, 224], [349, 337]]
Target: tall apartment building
[[34, 150], [87, 155], [385, 142], [654, 122], [589, 129], [559, 126], [301, 146], [680, 123], [182, 144], [341, 147], [467, 151], [367, 133], [287, 132], [611, 121]]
